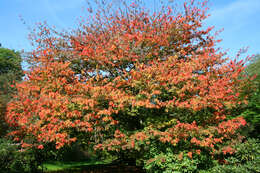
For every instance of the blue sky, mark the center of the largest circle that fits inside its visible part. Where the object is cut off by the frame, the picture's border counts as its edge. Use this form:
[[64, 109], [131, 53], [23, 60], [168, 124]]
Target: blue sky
[[239, 18]]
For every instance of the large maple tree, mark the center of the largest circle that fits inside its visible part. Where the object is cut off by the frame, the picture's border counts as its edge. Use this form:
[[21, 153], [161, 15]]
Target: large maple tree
[[124, 79]]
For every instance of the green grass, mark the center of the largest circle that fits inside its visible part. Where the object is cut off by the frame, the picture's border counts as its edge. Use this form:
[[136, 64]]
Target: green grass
[[58, 166]]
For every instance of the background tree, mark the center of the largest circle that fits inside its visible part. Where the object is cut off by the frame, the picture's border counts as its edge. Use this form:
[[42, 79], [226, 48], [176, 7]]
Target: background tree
[[253, 67], [10, 72], [150, 87], [252, 110]]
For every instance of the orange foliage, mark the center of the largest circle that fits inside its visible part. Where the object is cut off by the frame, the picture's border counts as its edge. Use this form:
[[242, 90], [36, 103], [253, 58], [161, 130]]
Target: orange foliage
[[84, 82]]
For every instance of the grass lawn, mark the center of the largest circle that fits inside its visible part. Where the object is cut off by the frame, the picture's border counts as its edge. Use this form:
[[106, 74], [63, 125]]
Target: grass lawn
[[59, 166]]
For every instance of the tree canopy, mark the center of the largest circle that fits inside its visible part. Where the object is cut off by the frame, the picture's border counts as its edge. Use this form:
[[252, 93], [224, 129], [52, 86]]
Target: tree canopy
[[128, 80]]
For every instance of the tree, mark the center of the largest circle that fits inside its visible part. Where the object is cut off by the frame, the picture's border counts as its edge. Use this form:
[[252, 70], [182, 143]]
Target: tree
[[10, 71], [251, 111], [253, 66], [129, 81]]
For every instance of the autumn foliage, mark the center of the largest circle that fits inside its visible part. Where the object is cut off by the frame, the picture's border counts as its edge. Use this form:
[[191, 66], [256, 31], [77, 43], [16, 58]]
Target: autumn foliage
[[128, 78]]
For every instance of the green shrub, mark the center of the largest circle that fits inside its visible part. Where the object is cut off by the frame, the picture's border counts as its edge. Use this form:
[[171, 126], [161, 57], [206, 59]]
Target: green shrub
[[13, 159], [245, 160], [169, 162], [170, 159]]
